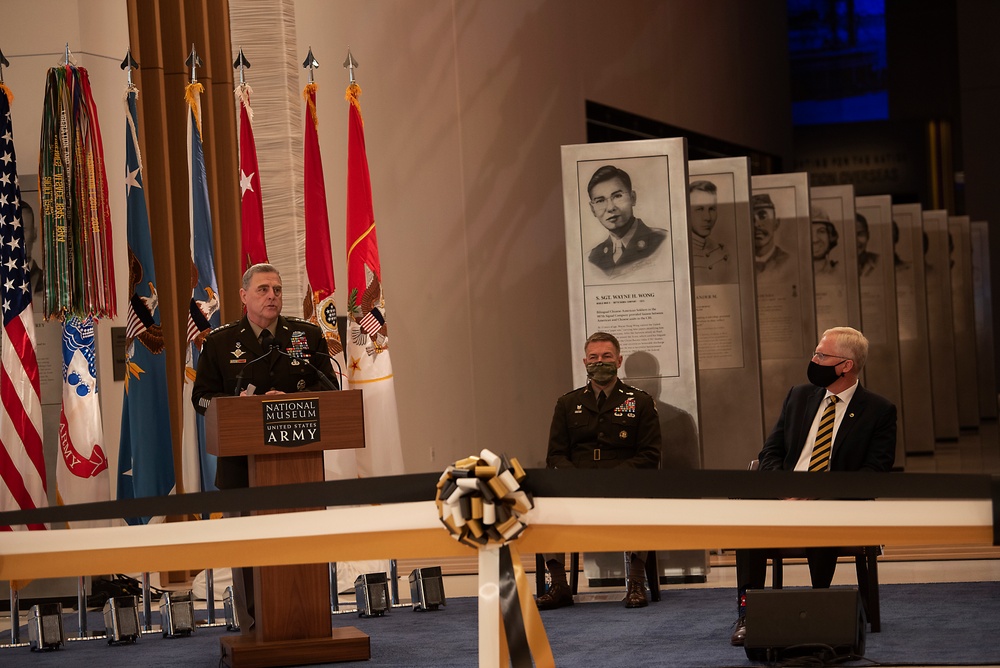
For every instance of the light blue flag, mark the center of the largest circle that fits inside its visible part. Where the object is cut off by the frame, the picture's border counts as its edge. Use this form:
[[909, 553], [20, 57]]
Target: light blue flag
[[203, 312], [146, 459]]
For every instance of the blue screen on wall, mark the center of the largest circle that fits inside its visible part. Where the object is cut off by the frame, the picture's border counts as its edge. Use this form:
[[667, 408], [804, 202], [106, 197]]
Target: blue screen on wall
[[838, 60]]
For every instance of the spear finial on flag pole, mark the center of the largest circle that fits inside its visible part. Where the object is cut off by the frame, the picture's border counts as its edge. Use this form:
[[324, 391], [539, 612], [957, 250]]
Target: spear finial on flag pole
[[350, 64], [310, 63], [5, 63], [129, 64], [68, 56], [242, 64], [194, 62]]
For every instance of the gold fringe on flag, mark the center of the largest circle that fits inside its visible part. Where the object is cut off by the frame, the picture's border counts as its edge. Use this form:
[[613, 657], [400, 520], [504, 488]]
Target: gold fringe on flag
[[192, 95]]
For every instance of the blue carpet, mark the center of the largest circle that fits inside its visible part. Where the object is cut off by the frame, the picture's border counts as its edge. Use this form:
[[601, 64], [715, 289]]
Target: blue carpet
[[928, 624]]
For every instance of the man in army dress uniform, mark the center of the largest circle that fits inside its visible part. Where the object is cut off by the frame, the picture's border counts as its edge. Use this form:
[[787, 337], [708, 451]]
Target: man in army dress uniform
[[604, 424], [262, 353]]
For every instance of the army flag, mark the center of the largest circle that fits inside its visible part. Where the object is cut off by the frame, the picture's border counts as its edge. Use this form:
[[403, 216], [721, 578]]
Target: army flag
[[368, 366], [22, 466], [145, 459], [198, 466], [82, 469], [254, 248]]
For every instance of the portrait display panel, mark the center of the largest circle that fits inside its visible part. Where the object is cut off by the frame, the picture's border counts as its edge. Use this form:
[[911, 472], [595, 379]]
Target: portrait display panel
[[725, 303], [628, 263], [642, 294], [914, 343], [940, 327], [786, 313], [960, 261], [982, 297], [835, 264], [877, 287]]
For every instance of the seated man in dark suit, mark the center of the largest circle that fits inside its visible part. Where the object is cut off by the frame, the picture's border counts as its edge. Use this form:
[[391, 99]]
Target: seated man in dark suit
[[831, 424], [630, 240]]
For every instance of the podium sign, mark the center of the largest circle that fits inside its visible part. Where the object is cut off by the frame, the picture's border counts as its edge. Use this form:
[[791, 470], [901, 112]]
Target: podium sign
[[283, 438]]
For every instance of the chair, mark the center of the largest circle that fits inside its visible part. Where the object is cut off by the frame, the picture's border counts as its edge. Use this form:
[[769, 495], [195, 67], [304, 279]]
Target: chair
[[652, 574], [865, 561]]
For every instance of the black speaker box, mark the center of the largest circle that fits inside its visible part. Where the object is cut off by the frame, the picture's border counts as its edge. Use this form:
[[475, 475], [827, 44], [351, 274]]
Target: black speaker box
[[796, 621]]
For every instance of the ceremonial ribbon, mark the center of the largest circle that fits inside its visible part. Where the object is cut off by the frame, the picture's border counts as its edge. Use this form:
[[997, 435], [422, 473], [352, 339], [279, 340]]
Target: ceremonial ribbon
[[481, 503]]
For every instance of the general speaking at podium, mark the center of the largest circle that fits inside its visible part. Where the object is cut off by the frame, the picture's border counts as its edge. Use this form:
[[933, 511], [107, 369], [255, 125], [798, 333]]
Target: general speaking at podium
[[262, 353]]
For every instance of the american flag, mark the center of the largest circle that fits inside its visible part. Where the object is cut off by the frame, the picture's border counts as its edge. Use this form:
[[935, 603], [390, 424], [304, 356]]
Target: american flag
[[22, 467]]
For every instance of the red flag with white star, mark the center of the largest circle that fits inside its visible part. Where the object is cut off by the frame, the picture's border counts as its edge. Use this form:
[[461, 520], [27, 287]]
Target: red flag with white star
[[254, 248]]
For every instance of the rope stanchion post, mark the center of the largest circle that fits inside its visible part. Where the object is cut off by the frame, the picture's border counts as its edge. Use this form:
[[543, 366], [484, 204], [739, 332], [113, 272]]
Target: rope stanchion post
[[393, 582], [334, 589], [15, 616], [81, 606], [210, 595], [147, 612]]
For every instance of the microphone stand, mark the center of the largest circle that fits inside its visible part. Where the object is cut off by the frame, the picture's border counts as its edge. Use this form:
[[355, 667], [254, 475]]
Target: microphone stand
[[239, 376], [324, 379]]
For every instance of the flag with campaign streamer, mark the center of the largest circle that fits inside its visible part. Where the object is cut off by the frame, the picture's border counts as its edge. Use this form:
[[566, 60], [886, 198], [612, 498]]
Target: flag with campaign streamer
[[197, 465], [254, 248], [145, 456], [368, 366], [320, 305], [82, 469], [76, 214], [22, 465]]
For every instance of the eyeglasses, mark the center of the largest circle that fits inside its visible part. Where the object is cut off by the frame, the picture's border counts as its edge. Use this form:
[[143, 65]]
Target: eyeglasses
[[601, 203], [822, 356]]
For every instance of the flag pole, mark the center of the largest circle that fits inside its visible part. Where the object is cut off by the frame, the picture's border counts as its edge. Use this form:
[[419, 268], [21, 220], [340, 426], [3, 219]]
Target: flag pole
[[6, 63], [310, 63], [194, 62], [350, 65]]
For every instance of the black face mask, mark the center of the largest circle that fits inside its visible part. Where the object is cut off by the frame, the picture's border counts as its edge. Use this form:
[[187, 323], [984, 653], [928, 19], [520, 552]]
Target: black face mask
[[823, 376]]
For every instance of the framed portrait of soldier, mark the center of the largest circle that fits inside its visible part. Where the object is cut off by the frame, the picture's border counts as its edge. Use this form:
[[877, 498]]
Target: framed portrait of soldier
[[628, 272], [964, 319], [979, 240], [940, 324], [877, 286], [725, 302], [835, 265], [908, 241], [786, 314]]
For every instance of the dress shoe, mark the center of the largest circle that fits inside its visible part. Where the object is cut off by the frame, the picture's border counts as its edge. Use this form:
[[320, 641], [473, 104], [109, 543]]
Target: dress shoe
[[740, 633], [635, 596], [559, 595]]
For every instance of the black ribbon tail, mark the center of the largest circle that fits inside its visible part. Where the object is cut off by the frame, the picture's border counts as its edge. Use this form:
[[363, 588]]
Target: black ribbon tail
[[510, 611]]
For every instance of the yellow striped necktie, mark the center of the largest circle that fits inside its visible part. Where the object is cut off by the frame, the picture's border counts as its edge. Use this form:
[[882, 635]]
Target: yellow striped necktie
[[820, 460]]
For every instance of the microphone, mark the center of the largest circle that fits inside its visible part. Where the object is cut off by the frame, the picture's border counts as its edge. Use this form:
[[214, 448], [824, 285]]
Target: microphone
[[239, 376], [324, 379]]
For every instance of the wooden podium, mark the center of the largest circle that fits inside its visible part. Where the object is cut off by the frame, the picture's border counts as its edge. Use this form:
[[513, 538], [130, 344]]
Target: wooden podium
[[283, 437]]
